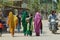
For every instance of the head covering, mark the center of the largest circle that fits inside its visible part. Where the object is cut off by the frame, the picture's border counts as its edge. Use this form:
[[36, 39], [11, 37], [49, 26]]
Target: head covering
[[10, 13], [37, 15], [11, 16]]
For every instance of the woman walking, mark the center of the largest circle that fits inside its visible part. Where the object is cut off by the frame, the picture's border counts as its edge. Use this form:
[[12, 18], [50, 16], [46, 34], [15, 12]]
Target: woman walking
[[37, 23], [24, 22], [11, 23]]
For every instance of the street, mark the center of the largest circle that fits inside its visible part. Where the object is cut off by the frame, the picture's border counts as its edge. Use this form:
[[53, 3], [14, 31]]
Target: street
[[46, 35]]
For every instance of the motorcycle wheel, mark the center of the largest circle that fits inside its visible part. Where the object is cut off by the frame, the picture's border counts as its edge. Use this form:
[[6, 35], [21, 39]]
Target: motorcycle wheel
[[53, 32]]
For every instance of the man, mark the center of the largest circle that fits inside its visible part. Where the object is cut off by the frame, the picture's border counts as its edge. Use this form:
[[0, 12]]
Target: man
[[52, 16]]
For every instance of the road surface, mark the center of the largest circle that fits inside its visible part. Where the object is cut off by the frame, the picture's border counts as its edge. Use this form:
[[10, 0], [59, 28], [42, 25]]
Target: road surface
[[46, 35]]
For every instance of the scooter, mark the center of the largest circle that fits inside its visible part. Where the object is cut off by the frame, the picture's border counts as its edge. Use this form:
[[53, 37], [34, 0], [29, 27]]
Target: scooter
[[53, 26]]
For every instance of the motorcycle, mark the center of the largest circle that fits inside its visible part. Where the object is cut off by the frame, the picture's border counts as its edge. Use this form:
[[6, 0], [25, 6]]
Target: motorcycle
[[53, 25]]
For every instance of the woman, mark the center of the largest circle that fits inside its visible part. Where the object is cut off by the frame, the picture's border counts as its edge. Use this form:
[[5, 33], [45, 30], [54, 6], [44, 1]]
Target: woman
[[24, 22], [11, 23], [37, 23]]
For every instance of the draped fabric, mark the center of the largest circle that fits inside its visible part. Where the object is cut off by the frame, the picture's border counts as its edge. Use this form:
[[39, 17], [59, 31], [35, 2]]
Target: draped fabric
[[11, 23], [37, 23]]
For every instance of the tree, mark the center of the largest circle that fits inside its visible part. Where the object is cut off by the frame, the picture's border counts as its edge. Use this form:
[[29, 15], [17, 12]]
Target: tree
[[58, 6], [6, 3], [34, 5]]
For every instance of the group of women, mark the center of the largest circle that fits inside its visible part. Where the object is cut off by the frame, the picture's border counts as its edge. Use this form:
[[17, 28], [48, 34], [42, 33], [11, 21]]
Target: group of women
[[27, 23]]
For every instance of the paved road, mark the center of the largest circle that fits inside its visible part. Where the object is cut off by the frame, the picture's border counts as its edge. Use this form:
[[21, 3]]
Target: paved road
[[47, 35]]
